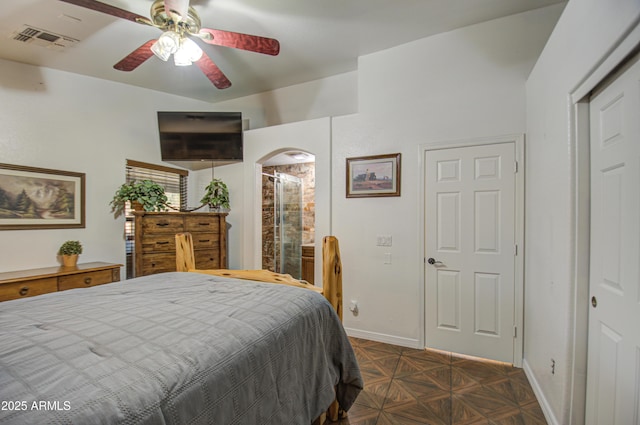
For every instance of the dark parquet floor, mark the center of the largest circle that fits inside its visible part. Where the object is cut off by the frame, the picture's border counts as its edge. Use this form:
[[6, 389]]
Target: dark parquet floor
[[405, 386]]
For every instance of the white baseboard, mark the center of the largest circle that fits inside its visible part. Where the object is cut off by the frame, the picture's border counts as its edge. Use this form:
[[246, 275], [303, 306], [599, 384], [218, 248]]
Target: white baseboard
[[388, 339], [542, 400]]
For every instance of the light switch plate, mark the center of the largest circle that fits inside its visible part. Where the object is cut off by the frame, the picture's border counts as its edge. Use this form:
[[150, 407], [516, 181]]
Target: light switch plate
[[383, 240]]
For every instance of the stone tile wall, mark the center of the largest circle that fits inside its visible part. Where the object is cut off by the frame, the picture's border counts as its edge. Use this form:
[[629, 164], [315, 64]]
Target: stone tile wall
[[306, 172]]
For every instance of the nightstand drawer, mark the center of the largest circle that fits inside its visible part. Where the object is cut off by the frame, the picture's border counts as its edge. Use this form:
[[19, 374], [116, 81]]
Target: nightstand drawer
[[12, 291], [84, 280]]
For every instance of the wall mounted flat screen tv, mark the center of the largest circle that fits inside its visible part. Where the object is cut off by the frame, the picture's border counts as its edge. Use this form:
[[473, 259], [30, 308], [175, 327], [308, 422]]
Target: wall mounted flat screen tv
[[199, 140]]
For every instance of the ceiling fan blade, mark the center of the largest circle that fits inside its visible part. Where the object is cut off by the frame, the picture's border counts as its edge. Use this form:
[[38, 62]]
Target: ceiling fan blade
[[180, 7], [213, 73], [136, 58], [110, 10], [253, 43]]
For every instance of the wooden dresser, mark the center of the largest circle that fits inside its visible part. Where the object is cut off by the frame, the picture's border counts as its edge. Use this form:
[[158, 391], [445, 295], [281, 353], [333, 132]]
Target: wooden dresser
[[28, 283], [308, 263], [155, 244]]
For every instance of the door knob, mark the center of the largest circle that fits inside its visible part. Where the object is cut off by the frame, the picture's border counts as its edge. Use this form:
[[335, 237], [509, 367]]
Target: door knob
[[594, 301], [433, 261]]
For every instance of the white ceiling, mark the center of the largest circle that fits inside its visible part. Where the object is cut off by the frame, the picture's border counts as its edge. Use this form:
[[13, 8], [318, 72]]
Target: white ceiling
[[318, 38]]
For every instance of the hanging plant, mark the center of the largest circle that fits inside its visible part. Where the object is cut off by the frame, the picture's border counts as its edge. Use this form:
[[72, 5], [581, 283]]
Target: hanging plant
[[216, 195]]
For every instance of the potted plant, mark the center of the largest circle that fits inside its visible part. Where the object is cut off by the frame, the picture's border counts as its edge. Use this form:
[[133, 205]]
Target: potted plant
[[69, 252], [216, 195], [148, 194]]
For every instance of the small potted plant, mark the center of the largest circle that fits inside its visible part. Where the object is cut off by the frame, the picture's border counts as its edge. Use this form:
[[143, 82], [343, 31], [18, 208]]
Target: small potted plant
[[216, 195], [148, 194], [69, 252]]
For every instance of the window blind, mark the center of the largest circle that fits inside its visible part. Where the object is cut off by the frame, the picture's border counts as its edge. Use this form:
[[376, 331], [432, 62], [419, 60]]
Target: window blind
[[173, 180]]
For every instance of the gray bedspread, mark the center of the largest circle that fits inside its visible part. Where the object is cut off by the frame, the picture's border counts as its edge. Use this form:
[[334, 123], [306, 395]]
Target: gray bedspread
[[173, 348]]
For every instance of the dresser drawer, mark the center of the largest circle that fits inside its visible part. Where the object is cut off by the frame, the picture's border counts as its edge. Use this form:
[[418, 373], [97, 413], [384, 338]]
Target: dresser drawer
[[158, 263], [308, 250], [205, 241], [159, 242], [201, 224], [84, 280], [207, 259], [12, 291], [162, 224]]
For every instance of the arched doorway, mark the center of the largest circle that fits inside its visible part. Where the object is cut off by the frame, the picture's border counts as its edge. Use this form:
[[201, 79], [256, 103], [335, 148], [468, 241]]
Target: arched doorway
[[288, 213]]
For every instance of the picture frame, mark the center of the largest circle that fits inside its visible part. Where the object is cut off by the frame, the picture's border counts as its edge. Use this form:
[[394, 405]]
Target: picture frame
[[41, 198], [373, 176]]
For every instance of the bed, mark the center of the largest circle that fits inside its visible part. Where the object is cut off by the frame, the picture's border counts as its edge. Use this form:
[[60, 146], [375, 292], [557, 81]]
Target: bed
[[174, 348]]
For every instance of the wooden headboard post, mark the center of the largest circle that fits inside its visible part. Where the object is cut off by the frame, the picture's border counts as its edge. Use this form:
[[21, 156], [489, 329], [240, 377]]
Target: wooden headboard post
[[332, 291], [185, 259], [332, 273]]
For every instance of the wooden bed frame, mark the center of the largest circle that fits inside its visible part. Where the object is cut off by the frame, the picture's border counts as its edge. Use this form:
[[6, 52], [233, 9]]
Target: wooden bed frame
[[331, 285], [331, 270]]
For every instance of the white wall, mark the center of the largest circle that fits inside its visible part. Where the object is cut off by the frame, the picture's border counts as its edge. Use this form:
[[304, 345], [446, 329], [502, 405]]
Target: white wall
[[586, 32], [58, 120], [332, 96], [463, 84]]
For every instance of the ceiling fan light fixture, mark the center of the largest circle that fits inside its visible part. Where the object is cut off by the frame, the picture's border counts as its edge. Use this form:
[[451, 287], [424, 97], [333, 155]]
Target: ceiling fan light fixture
[[187, 53], [179, 21], [167, 44]]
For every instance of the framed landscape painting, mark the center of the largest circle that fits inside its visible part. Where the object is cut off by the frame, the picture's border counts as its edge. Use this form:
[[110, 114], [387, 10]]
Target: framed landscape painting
[[39, 198], [373, 176]]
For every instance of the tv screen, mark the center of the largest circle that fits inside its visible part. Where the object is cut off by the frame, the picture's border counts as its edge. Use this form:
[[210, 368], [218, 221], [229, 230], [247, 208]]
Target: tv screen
[[200, 136]]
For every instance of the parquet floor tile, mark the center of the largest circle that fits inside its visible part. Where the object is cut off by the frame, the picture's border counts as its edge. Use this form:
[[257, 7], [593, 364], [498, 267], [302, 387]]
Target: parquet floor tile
[[405, 386]]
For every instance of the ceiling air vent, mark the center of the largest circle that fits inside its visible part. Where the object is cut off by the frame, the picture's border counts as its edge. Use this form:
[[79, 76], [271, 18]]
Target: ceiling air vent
[[44, 38]]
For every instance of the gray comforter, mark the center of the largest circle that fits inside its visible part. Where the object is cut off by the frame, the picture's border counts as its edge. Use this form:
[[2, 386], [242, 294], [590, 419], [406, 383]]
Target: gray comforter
[[173, 348]]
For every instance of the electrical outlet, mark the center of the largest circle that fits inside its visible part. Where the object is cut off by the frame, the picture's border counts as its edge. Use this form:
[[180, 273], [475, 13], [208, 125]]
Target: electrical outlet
[[353, 307]]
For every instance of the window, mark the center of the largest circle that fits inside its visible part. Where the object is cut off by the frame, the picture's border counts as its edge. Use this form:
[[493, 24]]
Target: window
[[174, 181]]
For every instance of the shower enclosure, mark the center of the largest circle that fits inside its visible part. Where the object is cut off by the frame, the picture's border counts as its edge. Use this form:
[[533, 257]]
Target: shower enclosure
[[282, 212]]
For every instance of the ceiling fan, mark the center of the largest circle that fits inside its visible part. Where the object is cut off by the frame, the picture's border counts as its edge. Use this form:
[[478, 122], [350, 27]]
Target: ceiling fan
[[180, 23]]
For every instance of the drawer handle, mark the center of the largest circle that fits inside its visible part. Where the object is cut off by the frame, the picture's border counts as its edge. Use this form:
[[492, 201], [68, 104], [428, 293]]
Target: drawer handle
[[24, 291], [204, 224], [87, 281], [162, 224], [162, 243], [153, 264], [204, 240]]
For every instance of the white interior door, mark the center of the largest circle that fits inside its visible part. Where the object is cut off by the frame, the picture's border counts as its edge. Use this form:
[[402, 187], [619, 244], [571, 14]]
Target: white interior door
[[613, 370], [470, 246]]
